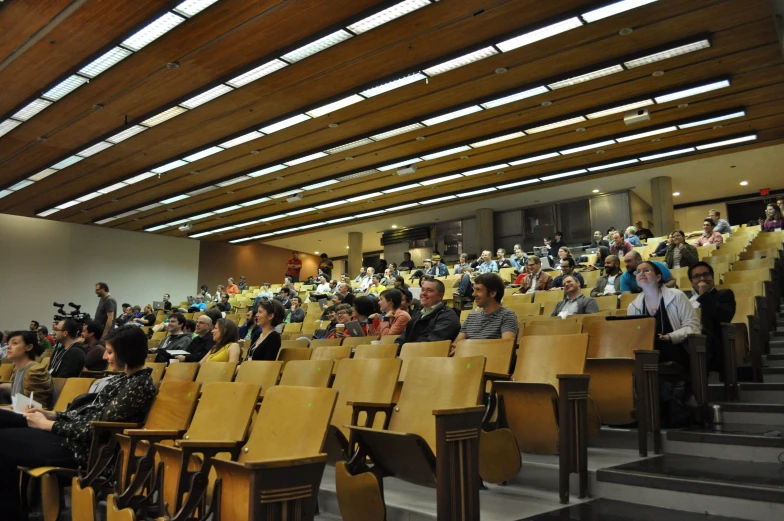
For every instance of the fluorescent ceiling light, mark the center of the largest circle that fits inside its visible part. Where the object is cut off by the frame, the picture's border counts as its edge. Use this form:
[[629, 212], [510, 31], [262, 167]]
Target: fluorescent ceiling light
[[368, 214], [667, 154], [733, 141], [534, 158], [65, 87], [317, 46], [153, 31], [436, 155], [4, 193], [452, 115], [163, 116], [125, 134], [149, 207], [460, 61], [139, 178], [127, 214], [112, 188], [392, 166], [349, 146], [204, 97], [438, 199], [305, 159], [105, 61], [202, 234], [280, 125], [235, 180], [256, 201], [477, 192], [397, 131], [340, 220], [440, 179], [248, 223], [43, 174], [68, 161], [169, 166], [250, 136], [515, 97], [694, 91], [335, 105], [298, 212], [357, 175], [484, 169], [268, 170], [193, 7], [670, 53], [204, 190], [21, 184], [587, 147], [286, 194], [225, 228], [401, 188], [201, 216], [564, 174], [557, 124], [228, 208], [364, 196], [387, 15], [108, 219], [322, 184], [31, 109], [613, 9], [98, 147], [259, 72], [235, 241], [85, 198], [8, 125], [404, 206], [586, 77], [713, 120], [612, 165], [48, 212], [392, 85], [202, 154], [313, 225], [493, 141], [539, 34], [622, 108], [330, 205], [646, 134]]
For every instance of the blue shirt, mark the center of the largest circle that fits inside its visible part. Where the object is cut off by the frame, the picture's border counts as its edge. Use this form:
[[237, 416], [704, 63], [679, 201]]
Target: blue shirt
[[201, 305], [438, 271], [520, 264], [634, 240], [488, 267], [629, 281]]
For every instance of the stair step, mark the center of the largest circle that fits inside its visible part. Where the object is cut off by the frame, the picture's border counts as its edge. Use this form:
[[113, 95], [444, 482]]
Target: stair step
[[752, 413], [774, 359], [762, 392], [773, 374], [610, 510], [760, 443]]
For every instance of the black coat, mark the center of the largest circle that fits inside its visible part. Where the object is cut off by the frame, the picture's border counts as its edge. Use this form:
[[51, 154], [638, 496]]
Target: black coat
[[718, 306], [441, 324]]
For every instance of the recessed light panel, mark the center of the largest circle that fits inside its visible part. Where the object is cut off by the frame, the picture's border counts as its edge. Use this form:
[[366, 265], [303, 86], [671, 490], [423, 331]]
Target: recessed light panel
[[667, 154], [193, 7], [175, 199], [387, 15], [539, 34], [305, 159], [68, 161], [452, 115], [532, 159], [256, 73], [335, 105], [31, 109], [250, 136], [364, 196], [621, 108], [557, 124], [727, 142], [349, 146], [98, 147], [564, 174], [280, 125], [515, 97], [65, 87], [43, 174], [438, 199], [204, 97], [670, 53], [485, 169], [139, 178], [163, 116], [613, 9], [169, 166], [397, 131], [153, 31], [268, 170], [105, 61], [694, 91], [477, 192], [204, 153], [460, 61], [650, 133], [586, 77], [438, 180], [234, 180], [499, 139], [315, 47], [612, 165], [443, 153], [112, 188], [392, 166], [392, 85], [125, 134], [402, 188], [738, 114], [587, 147], [8, 125]]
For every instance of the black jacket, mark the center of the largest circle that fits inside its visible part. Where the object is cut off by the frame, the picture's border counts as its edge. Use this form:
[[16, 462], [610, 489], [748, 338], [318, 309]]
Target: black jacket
[[68, 363], [297, 315], [554, 247], [441, 324], [718, 306]]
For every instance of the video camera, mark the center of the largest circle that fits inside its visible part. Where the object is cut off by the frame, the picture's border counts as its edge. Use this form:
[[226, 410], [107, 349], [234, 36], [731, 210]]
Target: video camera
[[75, 315]]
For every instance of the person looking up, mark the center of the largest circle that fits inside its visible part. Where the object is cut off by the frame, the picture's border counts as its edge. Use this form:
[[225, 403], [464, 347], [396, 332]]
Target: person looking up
[[574, 302], [629, 280]]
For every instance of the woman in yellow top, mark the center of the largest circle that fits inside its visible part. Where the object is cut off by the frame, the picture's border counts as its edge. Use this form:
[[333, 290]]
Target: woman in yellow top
[[29, 376], [226, 348]]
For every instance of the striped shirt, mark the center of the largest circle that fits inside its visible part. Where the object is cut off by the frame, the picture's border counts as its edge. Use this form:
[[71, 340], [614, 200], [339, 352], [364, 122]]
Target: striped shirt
[[490, 325]]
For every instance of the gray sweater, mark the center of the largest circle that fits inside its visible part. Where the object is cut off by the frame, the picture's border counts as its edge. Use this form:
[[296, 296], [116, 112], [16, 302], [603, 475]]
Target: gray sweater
[[585, 306]]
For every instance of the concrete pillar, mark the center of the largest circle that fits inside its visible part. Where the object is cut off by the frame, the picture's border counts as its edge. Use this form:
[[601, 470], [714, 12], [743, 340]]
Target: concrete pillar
[[354, 253], [661, 201], [484, 229]]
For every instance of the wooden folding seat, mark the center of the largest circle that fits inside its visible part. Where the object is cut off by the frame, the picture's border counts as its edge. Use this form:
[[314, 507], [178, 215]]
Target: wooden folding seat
[[294, 327], [334, 353], [464, 314], [626, 299], [541, 327], [358, 341], [180, 372], [549, 306], [730, 247], [432, 438], [385, 350], [307, 373], [742, 342], [6, 370], [525, 309], [546, 404], [717, 258], [159, 335], [518, 297], [548, 318], [321, 342], [72, 388], [287, 354], [705, 251], [294, 343], [412, 350], [607, 302], [549, 296], [507, 274], [260, 372], [219, 425], [158, 369], [389, 339], [216, 372], [753, 264], [590, 278], [759, 254]]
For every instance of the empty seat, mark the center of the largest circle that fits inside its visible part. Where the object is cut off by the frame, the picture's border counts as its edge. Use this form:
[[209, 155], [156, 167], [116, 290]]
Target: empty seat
[[358, 341], [73, 387], [375, 351], [261, 372], [287, 354], [307, 373], [216, 372], [413, 350], [559, 327], [294, 343], [181, 372], [319, 342]]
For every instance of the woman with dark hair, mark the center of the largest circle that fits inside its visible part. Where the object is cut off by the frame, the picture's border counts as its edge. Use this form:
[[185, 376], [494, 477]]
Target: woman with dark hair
[[38, 438], [679, 253], [265, 342], [29, 376], [773, 220], [392, 320], [226, 348]]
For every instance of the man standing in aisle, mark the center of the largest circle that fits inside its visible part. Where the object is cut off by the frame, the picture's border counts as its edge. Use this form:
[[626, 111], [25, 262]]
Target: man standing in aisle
[[293, 267], [107, 308]]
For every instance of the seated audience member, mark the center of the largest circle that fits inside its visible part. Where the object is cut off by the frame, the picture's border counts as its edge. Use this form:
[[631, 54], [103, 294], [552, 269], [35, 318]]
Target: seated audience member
[[629, 280], [200, 345], [333, 286], [205, 295], [491, 320], [226, 348], [266, 341], [338, 298], [518, 258], [610, 282], [375, 287], [618, 246], [675, 316], [393, 319], [224, 304], [323, 287], [342, 316], [502, 261], [610, 231], [295, 313], [574, 302], [567, 269], [556, 244], [661, 249], [266, 292], [220, 289], [361, 310], [34, 324], [189, 328], [535, 279], [362, 274], [780, 204], [427, 269], [242, 285], [248, 326], [231, 288], [773, 221], [328, 314], [631, 236], [68, 362], [29, 376], [679, 253], [126, 316], [94, 348], [3, 344], [167, 305], [386, 279], [367, 280], [439, 269], [284, 295], [346, 296], [177, 339], [407, 302], [717, 305], [466, 287], [215, 314], [598, 240], [198, 305], [486, 264], [720, 225], [147, 318], [407, 264], [563, 253], [400, 282], [435, 321], [709, 234], [43, 341], [602, 252], [393, 271], [641, 230], [62, 439], [461, 263]]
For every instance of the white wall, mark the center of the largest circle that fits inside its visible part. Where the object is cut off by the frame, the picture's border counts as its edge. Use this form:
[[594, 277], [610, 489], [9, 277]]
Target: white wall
[[45, 261], [690, 219]]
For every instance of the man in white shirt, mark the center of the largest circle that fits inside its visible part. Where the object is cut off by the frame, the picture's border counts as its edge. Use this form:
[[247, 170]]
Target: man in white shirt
[[367, 279]]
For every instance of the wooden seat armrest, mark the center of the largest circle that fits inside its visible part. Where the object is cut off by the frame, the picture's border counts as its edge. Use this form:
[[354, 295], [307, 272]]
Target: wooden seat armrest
[[371, 409], [116, 425], [162, 433], [461, 410], [205, 444], [497, 376], [272, 463]]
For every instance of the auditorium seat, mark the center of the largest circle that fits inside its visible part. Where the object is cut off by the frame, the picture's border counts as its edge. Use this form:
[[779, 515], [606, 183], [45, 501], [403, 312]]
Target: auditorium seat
[[307, 373], [181, 372], [384, 350], [357, 341], [412, 350], [72, 388], [287, 354], [334, 353], [210, 372], [608, 302], [261, 372], [294, 343], [322, 342], [560, 327]]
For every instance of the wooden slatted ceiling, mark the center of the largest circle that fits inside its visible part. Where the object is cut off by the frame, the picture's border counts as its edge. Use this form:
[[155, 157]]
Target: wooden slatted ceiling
[[439, 98], [20, 21], [746, 32]]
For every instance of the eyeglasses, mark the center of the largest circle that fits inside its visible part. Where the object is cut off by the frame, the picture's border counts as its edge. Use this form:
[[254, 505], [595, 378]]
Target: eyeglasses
[[703, 275], [341, 313], [644, 270]]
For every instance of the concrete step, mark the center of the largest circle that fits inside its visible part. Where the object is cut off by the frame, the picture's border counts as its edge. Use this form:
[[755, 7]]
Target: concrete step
[[743, 442], [752, 413], [608, 510], [774, 359], [766, 392], [773, 374]]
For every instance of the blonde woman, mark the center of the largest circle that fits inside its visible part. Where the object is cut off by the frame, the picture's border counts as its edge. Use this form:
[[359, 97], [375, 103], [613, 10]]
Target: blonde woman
[[227, 347]]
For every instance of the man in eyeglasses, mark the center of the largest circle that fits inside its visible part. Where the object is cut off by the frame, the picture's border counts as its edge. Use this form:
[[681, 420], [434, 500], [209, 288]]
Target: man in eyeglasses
[[717, 305]]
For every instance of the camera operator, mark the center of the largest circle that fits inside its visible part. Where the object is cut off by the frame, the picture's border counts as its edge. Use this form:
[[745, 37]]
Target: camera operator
[[107, 308], [68, 361]]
